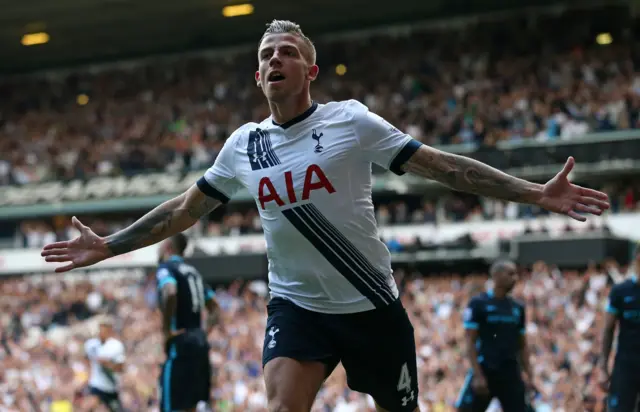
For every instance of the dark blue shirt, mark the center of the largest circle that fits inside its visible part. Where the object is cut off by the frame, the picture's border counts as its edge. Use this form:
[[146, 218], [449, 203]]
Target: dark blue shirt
[[500, 324], [192, 293], [624, 303]]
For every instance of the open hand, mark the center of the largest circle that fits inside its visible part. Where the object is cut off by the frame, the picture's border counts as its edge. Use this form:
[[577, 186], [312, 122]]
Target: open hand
[[85, 250], [559, 195]]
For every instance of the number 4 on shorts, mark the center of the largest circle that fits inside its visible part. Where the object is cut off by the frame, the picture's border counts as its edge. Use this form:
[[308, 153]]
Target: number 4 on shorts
[[404, 383]]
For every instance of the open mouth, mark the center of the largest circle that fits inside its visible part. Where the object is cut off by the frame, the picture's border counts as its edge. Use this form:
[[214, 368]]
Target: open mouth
[[275, 77]]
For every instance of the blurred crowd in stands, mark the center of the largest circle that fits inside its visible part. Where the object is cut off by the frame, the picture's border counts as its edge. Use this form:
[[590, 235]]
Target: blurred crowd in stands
[[45, 320], [495, 81]]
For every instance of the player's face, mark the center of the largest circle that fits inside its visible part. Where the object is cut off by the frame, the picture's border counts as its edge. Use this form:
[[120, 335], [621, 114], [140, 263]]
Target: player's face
[[104, 332], [283, 71], [507, 278]]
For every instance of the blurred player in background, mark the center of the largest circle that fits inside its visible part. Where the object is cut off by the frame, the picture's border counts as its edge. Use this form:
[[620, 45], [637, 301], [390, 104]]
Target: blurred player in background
[[496, 346], [308, 167], [186, 375], [623, 310], [107, 356]]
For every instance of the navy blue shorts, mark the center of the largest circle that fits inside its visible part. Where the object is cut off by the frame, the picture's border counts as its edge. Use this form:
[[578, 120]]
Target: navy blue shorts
[[506, 384], [109, 399], [624, 389], [186, 374], [376, 348]]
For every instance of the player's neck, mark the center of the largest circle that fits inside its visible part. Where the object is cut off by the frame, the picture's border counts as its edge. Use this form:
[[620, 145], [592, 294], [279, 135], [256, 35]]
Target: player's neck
[[500, 293], [282, 112]]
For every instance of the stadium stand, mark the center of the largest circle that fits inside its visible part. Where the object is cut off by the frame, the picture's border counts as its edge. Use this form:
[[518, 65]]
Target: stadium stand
[[520, 95], [42, 337], [481, 85]]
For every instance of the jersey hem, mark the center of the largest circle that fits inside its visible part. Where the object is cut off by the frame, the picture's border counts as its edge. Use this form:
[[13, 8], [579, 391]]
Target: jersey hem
[[361, 306]]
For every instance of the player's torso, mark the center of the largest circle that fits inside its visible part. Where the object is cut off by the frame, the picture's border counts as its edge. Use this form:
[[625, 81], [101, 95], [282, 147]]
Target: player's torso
[[500, 329], [629, 337], [101, 377], [312, 187], [190, 295]]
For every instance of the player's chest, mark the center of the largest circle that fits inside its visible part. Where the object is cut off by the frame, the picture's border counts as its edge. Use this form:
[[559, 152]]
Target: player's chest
[[631, 305], [285, 169], [501, 315]]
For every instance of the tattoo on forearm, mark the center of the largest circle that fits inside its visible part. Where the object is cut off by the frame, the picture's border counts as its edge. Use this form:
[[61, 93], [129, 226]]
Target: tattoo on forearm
[[469, 175], [164, 221]]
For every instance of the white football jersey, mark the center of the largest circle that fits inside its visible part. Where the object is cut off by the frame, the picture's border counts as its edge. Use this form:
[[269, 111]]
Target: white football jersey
[[112, 350], [311, 179]]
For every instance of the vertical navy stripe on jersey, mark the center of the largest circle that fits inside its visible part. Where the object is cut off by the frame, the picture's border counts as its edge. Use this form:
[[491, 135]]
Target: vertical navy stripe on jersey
[[257, 156], [259, 150], [339, 258], [329, 230], [269, 147]]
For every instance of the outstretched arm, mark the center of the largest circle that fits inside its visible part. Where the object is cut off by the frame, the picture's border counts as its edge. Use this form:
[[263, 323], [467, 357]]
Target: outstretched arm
[[171, 217], [469, 175]]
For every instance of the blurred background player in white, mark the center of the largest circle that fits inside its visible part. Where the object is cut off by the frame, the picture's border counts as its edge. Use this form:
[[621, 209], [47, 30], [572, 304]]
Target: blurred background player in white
[[305, 154], [107, 356]]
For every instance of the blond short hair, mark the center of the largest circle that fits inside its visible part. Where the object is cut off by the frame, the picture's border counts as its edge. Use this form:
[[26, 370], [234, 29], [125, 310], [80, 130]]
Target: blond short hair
[[289, 27]]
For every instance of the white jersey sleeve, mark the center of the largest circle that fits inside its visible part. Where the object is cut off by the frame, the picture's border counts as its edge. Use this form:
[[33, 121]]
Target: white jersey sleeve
[[381, 142], [91, 347], [220, 181], [116, 352]]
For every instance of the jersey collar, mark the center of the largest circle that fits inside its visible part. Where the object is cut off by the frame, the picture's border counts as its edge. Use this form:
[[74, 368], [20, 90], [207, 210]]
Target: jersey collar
[[175, 258], [298, 118], [634, 278], [491, 295]]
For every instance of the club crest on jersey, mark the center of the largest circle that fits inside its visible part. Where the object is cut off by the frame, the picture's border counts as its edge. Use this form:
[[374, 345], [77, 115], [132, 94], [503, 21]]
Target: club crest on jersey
[[261, 154], [315, 136]]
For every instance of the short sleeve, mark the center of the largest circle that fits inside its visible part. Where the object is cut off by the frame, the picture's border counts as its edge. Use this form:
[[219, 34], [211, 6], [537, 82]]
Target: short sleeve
[[381, 142], [471, 316], [219, 181], [90, 348], [163, 277], [119, 355], [613, 303]]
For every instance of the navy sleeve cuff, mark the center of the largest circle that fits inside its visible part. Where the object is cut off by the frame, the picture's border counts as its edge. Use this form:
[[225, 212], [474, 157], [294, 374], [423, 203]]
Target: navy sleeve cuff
[[405, 154], [211, 191]]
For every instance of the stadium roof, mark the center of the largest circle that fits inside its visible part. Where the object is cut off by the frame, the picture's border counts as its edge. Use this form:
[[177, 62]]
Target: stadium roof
[[83, 31]]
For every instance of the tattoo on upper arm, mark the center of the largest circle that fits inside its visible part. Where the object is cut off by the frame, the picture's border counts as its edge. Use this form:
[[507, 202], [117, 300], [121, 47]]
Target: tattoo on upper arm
[[202, 207], [468, 175]]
